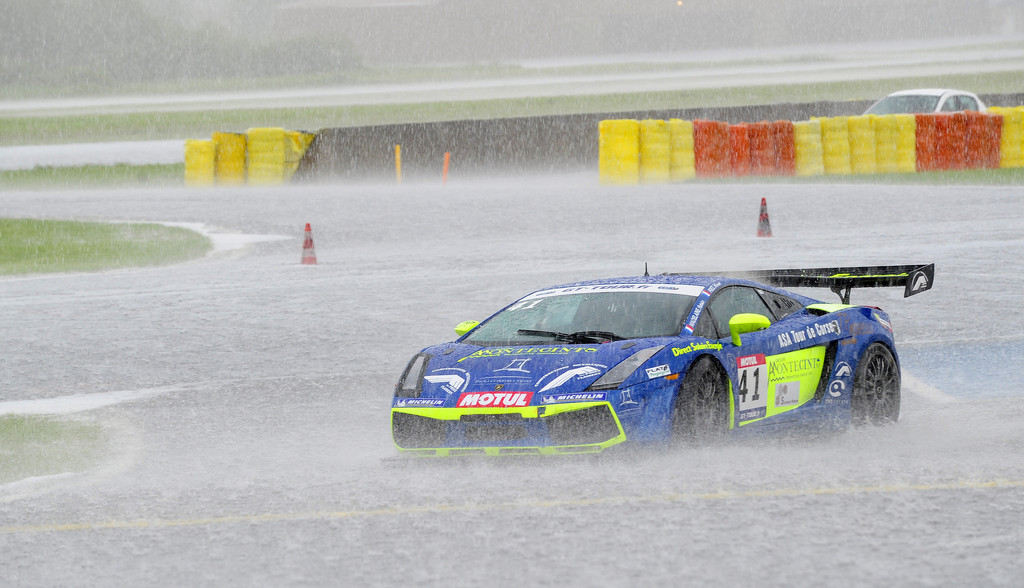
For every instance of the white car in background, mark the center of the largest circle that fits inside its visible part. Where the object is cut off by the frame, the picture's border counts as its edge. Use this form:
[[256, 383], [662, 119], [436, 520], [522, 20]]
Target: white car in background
[[927, 100]]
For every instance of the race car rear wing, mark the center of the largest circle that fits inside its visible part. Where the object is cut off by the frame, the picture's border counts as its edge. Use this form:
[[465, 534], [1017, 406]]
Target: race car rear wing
[[914, 278]]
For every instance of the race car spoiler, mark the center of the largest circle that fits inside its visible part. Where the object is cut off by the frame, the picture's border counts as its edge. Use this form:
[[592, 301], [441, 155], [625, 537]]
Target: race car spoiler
[[914, 278]]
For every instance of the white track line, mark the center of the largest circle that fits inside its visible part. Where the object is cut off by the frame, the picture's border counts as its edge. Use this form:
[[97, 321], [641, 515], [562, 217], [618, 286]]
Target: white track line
[[918, 387]]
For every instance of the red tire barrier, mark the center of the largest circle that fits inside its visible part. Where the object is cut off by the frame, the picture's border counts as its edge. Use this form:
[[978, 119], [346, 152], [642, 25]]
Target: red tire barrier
[[995, 125], [739, 149], [949, 142], [955, 141], [785, 148], [927, 142], [984, 133], [711, 148], [762, 149]]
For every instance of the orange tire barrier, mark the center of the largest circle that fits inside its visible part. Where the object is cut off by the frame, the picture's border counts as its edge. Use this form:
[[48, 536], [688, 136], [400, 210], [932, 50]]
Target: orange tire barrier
[[762, 149], [926, 142], [785, 148], [951, 135], [739, 149], [976, 131], [711, 148], [647, 151], [984, 134]]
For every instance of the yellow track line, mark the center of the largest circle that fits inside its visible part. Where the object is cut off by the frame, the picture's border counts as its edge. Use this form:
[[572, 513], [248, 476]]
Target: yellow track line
[[446, 508]]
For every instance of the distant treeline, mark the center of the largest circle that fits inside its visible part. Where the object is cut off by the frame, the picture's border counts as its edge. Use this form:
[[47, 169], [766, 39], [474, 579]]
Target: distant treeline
[[69, 44]]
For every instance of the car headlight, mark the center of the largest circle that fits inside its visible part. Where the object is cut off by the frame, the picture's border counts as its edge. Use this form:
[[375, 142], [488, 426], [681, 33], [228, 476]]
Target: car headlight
[[618, 374], [410, 385]]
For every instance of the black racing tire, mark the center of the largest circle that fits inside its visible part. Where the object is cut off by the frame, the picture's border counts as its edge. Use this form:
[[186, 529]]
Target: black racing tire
[[702, 406], [876, 388]]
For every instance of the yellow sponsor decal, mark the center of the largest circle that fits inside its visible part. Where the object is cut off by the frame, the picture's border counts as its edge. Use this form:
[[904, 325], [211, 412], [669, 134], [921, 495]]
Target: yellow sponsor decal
[[792, 381], [707, 345], [517, 351]]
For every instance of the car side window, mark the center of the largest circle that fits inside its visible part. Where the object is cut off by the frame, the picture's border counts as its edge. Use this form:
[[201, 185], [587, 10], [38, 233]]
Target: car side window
[[968, 103], [781, 306], [727, 303], [952, 104]]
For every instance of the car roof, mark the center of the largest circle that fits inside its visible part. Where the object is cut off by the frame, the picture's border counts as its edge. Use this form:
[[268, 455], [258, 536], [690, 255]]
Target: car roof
[[701, 280], [685, 280], [929, 92]]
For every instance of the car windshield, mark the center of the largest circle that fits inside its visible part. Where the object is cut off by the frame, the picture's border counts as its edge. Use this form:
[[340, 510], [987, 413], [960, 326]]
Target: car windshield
[[588, 316], [908, 104]]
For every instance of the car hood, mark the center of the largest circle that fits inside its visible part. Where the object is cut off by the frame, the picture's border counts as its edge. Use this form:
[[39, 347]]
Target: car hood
[[546, 372]]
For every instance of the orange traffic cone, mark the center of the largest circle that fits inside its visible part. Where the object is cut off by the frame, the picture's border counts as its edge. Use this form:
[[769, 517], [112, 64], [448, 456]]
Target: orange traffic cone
[[308, 252], [764, 228]]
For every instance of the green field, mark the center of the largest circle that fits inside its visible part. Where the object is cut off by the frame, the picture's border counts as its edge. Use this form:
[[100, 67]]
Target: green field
[[41, 446], [92, 176], [39, 129], [38, 246]]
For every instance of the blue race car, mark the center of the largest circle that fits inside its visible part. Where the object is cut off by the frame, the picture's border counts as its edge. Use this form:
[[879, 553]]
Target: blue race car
[[587, 366]]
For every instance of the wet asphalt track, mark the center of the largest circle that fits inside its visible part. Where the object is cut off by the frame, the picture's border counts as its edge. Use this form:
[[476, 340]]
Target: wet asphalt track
[[248, 416]]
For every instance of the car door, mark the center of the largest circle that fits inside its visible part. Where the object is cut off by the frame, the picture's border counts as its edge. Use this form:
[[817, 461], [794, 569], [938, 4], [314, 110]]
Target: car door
[[773, 371]]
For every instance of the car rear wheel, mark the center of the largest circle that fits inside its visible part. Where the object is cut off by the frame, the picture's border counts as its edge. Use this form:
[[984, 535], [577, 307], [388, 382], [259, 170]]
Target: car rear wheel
[[876, 388], [702, 408]]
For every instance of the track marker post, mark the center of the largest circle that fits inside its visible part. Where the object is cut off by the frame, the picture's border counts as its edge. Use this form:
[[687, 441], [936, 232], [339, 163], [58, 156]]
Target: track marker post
[[398, 163], [444, 169]]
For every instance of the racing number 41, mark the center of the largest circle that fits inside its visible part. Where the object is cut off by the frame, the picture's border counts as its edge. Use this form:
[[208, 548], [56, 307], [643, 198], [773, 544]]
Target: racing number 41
[[743, 384], [752, 372]]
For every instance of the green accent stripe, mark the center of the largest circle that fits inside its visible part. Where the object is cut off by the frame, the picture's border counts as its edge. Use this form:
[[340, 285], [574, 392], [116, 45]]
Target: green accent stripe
[[527, 412]]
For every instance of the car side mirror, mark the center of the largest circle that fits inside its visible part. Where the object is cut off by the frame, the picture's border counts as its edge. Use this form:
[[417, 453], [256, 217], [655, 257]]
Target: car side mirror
[[747, 323], [465, 327]]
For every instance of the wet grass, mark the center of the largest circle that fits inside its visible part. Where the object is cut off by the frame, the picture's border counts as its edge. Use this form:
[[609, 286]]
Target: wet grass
[[973, 177], [137, 126], [42, 246], [32, 446], [91, 176]]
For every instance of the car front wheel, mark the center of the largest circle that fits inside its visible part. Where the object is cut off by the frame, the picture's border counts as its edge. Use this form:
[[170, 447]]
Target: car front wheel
[[702, 408]]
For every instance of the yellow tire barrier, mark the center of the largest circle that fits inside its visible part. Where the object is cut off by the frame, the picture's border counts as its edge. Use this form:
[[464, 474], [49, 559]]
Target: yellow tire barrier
[[681, 155], [887, 139], [274, 154], [906, 143], [835, 145], [808, 150], [654, 152], [200, 163], [260, 156], [1011, 143], [230, 158], [862, 145], [631, 152], [619, 152]]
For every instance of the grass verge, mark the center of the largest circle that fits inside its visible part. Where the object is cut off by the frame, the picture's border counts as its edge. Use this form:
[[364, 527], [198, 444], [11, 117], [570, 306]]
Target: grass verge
[[137, 126], [37, 246], [93, 176], [32, 446], [973, 177]]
